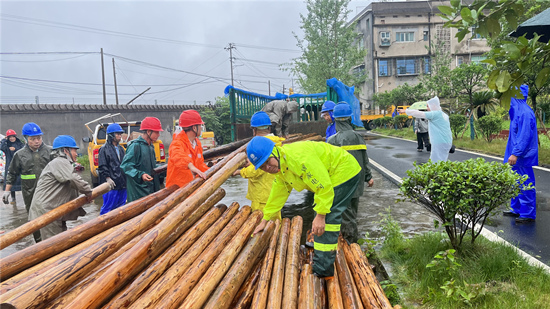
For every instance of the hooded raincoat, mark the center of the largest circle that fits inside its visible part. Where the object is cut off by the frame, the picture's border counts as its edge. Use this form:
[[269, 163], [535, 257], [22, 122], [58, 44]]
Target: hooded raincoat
[[280, 113], [439, 129], [522, 142], [110, 157], [331, 129], [5, 147], [260, 182], [353, 142], [328, 171], [181, 154], [139, 160], [58, 184]]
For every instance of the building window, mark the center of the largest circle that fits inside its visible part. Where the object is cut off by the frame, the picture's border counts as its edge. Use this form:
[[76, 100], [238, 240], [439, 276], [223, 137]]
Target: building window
[[406, 66], [475, 36], [427, 65], [359, 70], [459, 60], [478, 59], [426, 35], [404, 36], [385, 38], [384, 67]]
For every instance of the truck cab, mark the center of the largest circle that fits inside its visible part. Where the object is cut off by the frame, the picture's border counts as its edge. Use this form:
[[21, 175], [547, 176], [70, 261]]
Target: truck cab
[[98, 137]]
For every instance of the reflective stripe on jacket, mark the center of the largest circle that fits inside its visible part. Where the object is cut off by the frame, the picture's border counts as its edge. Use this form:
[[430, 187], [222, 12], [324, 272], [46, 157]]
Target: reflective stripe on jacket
[[315, 166], [181, 153]]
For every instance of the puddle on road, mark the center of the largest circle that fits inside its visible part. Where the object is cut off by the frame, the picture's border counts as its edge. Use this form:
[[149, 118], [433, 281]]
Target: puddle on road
[[384, 147], [402, 155]]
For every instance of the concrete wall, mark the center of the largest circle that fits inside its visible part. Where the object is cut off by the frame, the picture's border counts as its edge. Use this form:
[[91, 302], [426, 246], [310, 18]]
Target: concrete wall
[[58, 119]]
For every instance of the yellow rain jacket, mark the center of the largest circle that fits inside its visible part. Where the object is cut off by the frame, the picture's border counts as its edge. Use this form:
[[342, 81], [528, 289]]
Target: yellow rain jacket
[[315, 166], [259, 182]]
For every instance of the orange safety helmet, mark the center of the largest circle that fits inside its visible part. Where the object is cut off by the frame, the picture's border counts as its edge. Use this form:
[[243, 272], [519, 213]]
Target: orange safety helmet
[[189, 118], [10, 132], [151, 123]]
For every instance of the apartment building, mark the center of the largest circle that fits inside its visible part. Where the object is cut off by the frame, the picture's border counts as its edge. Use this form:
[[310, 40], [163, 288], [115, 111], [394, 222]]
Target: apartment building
[[398, 37]]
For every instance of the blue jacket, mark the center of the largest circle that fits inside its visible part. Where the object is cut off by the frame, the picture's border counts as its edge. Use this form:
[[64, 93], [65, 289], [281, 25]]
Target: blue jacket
[[109, 164], [331, 129], [522, 140]]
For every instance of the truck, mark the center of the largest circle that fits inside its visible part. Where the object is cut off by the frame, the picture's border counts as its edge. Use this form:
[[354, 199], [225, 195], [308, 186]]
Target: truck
[[98, 137], [207, 138], [368, 116]]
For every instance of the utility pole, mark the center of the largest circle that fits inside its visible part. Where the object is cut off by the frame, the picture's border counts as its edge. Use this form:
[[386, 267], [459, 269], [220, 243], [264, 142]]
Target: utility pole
[[132, 100], [269, 87], [283, 88], [103, 79], [230, 48], [114, 75]]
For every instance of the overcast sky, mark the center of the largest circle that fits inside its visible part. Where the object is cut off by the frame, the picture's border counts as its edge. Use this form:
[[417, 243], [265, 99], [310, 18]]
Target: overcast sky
[[52, 49]]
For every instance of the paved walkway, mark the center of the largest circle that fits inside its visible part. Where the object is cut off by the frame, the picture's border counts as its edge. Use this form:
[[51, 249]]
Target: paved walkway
[[394, 156]]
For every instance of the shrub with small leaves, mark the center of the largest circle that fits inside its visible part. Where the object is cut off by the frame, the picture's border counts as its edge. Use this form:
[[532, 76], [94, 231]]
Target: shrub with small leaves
[[489, 125], [458, 122], [400, 121], [462, 194]]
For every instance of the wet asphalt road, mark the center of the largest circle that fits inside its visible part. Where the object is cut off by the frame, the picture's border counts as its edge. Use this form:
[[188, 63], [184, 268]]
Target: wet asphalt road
[[398, 155]]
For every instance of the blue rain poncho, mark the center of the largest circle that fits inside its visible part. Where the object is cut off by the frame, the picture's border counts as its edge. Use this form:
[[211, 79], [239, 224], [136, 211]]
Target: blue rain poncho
[[331, 129], [439, 129]]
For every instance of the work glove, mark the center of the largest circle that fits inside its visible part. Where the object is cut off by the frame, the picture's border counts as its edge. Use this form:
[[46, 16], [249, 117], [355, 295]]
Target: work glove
[[6, 197], [111, 183]]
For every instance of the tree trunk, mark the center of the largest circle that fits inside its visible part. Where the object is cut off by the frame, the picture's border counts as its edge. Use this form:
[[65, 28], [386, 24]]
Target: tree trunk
[[260, 295], [292, 268], [333, 292], [278, 275], [244, 296], [349, 296], [306, 298]]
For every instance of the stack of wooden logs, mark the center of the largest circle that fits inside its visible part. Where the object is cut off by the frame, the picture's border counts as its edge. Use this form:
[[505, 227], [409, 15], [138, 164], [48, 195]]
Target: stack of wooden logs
[[175, 249]]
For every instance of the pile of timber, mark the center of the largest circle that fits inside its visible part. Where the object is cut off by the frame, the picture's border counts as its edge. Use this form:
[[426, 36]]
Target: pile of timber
[[175, 249]]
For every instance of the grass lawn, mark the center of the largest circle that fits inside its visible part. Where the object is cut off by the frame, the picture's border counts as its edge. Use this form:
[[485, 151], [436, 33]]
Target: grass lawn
[[495, 147]]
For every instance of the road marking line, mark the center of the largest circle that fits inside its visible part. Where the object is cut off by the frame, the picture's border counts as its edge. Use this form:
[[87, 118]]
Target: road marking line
[[485, 232]]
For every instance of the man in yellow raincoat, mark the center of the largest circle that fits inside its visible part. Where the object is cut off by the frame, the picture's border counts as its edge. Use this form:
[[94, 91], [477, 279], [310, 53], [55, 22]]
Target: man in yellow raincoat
[[328, 171], [259, 182]]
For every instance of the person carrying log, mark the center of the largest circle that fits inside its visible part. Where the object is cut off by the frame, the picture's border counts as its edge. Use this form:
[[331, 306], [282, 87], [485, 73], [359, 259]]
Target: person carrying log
[[111, 155], [139, 161], [186, 159], [59, 183], [28, 163], [280, 113], [10, 145], [328, 171], [259, 182], [353, 142]]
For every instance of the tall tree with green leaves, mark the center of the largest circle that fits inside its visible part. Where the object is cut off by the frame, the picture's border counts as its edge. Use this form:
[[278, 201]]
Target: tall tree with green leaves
[[438, 81], [328, 47]]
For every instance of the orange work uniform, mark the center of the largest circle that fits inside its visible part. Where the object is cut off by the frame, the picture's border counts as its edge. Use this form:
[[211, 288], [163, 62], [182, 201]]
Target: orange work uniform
[[181, 154]]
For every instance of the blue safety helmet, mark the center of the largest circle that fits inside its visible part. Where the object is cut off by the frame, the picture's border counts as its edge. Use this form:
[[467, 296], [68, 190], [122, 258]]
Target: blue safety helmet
[[64, 141], [114, 128], [31, 129], [260, 119], [342, 110], [258, 150], [328, 106]]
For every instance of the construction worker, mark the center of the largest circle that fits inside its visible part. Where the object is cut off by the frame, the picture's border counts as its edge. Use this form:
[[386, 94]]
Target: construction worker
[[110, 156], [59, 184], [186, 160], [280, 113], [353, 142], [328, 171], [9, 146], [28, 163], [326, 113], [139, 161], [259, 182]]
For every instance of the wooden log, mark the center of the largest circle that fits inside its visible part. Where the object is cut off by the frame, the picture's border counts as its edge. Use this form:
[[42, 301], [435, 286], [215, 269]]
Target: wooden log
[[133, 290], [324, 296], [364, 277], [319, 294], [333, 292], [244, 296], [316, 138], [298, 138], [49, 217], [225, 149], [275, 296], [250, 256], [262, 290], [195, 261], [292, 267], [306, 296], [345, 280], [33, 255], [199, 294]]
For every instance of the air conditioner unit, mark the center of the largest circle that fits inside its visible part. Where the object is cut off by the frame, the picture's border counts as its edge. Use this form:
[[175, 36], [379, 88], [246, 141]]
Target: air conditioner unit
[[385, 42]]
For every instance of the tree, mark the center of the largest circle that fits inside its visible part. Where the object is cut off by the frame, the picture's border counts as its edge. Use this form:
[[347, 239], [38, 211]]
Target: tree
[[468, 78], [328, 47], [218, 120], [489, 125], [438, 81], [483, 102], [458, 122]]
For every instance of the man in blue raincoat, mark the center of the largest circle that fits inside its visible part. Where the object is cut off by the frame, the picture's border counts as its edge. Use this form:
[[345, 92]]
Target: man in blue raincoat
[[326, 113], [522, 154]]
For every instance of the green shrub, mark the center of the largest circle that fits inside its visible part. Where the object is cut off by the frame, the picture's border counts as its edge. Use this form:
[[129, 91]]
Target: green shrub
[[458, 122], [465, 192], [400, 121], [489, 125]]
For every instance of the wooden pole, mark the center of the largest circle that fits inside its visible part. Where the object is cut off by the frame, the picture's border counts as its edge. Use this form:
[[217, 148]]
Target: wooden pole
[[275, 295], [199, 295], [262, 290], [249, 257], [333, 292], [196, 255], [32, 255], [347, 284], [227, 148], [292, 268], [306, 296], [49, 217], [244, 296]]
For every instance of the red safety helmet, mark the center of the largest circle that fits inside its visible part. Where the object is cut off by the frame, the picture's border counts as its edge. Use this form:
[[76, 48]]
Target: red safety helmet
[[10, 132], [190, 118], [151, 123]]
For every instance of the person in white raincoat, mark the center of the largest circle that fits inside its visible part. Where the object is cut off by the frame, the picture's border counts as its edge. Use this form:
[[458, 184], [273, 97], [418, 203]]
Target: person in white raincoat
[[439, 129]]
